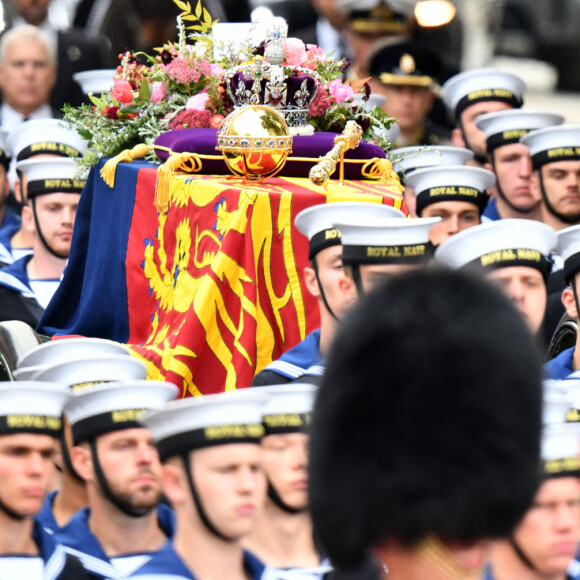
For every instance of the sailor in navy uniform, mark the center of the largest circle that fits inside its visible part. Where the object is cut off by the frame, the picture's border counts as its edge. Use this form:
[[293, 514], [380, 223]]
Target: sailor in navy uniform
[[27, 285], [512, 253], [470, 94], [46, 137], [545, 542], [568, 361], [407, 159], [213, 478], [30, 419], [511, 162], [283, 536], [305, 361], [124, 524], [9, 221], [68, 362], [377, 248], [555, 153], [455, 193]]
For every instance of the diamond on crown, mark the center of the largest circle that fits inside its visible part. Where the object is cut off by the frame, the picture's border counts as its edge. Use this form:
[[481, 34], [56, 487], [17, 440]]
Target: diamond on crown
[[289, 90]]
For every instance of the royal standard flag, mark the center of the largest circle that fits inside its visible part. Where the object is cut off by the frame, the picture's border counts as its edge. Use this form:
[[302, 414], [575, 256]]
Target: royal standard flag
[[208, 292]]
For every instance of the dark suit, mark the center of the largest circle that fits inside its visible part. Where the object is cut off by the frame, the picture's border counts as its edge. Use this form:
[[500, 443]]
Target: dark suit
[[77, 51]]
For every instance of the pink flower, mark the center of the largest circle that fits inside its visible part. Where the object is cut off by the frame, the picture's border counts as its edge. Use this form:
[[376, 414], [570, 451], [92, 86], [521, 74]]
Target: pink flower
[[187, 71], [340, 91], [197, 102], [216, 121], [217, 71], [191, 120], [158, 92], [122, 92], [314, 56], [295, 52], [320, 104]]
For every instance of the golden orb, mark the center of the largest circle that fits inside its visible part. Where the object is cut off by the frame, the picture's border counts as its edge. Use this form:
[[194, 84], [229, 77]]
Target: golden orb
[[255, 142]]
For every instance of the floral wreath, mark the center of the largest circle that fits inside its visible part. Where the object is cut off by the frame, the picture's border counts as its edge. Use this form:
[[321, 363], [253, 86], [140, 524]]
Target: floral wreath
[[182, 86]]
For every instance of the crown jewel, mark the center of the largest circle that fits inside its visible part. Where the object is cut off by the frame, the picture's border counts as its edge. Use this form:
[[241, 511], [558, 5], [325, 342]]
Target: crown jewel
[[264, 81]]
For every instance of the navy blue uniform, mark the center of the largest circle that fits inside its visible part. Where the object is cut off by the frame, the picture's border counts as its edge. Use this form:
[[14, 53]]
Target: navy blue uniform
[[303, 363], [560, 367], [167, 565], [80, 541]]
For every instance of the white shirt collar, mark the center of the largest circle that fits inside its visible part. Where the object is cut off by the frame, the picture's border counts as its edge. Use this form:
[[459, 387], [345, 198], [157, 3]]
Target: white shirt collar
[[10, 119]]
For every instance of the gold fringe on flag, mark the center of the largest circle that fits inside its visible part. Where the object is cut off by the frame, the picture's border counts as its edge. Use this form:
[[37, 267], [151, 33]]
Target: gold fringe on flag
[[128, 156]]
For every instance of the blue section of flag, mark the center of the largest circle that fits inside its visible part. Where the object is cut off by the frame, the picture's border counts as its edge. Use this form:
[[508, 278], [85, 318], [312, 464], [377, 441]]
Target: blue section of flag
[[88, 301]]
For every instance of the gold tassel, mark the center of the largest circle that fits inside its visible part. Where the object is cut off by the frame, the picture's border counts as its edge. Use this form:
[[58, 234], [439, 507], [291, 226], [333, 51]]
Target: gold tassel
[[383, 167], [128, 156], [186, 161]]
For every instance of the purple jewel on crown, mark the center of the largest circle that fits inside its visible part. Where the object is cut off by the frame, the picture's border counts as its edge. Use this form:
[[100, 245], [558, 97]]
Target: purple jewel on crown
[[264, 81]]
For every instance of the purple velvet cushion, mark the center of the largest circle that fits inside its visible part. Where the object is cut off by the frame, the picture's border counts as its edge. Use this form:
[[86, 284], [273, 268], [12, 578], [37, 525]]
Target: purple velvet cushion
[[203, 141]]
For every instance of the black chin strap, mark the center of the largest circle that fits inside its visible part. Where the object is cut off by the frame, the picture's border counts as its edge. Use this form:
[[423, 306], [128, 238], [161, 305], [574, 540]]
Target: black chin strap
[[11, 513], [121, 505], [520, 554], [275, 497], [198, 505], [41, 235], [575, 294], [481, 159], [357, 280], [550, 208], [67, 460], [503, 196], [321, 288]]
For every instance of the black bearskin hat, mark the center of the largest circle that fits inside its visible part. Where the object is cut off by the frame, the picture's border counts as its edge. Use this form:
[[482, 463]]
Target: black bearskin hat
[[428, 418]]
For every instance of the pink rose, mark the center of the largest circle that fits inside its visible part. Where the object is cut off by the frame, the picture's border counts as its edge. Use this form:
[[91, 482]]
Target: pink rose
[[314, 55], [197, 102], [122, 92], [158, 92], [295, 51], [315, 52], [340, 91], [217, 71]]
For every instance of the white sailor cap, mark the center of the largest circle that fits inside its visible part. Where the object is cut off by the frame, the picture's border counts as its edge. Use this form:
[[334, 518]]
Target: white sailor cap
[[551, 144], [5, 155], [115, 406], [555, 408], [32, 407], [474, 86], [407, 159], [555, 386], [403, 6], [288, 407], [81, 373], [96, 81], [506, 127], [569, 249], [560, 450], [45, 136], [57, 351], [50, 175], [451, 183], [571, 387], [317, 222], [196, 422], [500, 244], [386, 240]]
